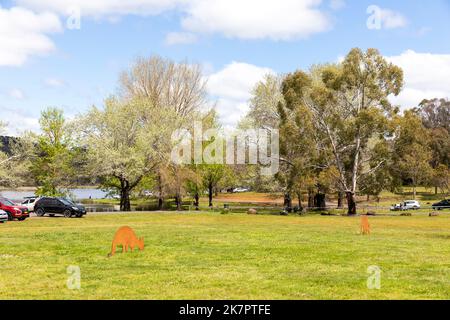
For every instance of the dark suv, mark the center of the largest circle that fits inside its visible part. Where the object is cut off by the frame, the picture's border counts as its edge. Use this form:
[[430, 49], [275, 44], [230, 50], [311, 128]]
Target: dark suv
[[444, 204], [53, 206]]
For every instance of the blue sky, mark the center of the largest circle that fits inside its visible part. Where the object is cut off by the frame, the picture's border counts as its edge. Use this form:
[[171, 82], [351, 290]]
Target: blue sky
[[43, 63]]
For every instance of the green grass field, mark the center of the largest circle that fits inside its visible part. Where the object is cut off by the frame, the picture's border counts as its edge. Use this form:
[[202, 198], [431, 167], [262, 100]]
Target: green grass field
[[235, 256]]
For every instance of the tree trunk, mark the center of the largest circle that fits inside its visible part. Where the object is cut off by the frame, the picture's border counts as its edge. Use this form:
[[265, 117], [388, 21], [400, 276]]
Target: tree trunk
[[299, 197], [287, 200], [178, 202], [160, 195], [368, 197], [340, 200], [210, 194], [436, 190], [414, 192], [125, 204], [310, 199], [196, 201], [351, 203], [319, 201]]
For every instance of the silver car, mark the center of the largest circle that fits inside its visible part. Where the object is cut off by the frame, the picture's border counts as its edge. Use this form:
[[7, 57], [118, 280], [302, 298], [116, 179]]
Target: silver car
[[3, 216]]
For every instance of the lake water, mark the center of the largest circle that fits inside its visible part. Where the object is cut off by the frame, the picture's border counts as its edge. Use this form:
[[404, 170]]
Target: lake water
[[79, 194]]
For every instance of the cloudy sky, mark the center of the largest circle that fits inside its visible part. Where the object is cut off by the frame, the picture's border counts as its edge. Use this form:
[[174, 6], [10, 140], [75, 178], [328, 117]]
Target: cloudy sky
[[48, 57]]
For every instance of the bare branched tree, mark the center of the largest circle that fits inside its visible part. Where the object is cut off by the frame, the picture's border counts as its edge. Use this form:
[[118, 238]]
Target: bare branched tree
[[177, 86]]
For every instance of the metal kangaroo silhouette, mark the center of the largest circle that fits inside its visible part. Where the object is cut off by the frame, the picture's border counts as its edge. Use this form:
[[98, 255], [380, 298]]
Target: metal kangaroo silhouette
[[126, 238], [365, 226]]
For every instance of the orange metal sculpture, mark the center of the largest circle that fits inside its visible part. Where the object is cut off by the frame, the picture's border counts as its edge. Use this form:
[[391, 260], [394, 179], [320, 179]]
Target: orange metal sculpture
[[365, 227], [126, 238]]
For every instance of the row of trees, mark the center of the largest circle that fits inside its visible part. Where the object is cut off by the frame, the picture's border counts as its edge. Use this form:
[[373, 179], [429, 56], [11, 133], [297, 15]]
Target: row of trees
[[338, 134]]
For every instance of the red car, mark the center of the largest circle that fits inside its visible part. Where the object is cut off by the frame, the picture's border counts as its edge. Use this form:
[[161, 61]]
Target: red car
[[13, 210]]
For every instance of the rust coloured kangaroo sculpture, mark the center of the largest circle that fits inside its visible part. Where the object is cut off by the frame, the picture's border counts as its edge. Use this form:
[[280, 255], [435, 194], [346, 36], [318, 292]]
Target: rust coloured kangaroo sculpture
[[126, 237], [365, 226]]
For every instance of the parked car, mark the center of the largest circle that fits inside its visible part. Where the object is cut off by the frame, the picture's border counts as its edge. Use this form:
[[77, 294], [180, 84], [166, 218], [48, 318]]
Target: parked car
[[54, 206], [444, 204], [3, 216], [29, 202], [411, 205], [13, 210], [406, 205], [238, 190], [148, 193]]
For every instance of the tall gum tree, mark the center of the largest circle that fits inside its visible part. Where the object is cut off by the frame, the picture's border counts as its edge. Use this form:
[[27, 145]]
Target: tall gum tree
[[349, 106]]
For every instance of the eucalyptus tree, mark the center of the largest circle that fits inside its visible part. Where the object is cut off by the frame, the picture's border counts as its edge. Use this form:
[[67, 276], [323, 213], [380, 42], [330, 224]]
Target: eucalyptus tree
[[263, 105], [435, 116], [413, 153], [263, 113], [349, 105]]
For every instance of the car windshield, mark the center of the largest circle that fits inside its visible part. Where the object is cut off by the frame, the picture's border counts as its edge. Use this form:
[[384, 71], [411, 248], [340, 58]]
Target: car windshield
[[67, 202], [7, 202]]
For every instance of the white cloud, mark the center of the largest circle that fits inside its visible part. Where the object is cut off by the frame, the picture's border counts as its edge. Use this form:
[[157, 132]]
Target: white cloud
[[256, 19], [426, 76], [54, 82], [248, 19], [24, 33], [16, 94], [174, 38], [231, 88]]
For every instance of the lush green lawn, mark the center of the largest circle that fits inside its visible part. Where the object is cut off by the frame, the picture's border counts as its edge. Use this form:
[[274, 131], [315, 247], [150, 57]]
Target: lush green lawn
[[212, 256]]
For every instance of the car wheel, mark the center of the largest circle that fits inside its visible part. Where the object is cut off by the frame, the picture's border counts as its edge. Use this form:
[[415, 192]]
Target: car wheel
[[40, 212], [21, 219], [67, 213], [79, 215]]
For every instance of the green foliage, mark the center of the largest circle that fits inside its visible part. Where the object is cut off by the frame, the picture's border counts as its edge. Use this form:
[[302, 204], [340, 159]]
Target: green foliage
[[441, 178], [341, 108], [53, 159], [126, 141], [412, 153]]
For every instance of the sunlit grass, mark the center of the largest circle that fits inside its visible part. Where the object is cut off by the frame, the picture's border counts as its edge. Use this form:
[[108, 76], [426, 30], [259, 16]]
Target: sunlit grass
[[213, 256]]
